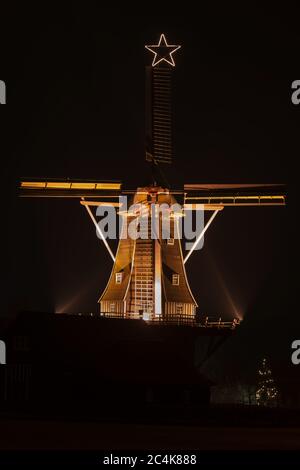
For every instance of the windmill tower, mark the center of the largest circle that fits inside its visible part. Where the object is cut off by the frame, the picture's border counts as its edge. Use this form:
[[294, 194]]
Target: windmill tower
[[148, 279]]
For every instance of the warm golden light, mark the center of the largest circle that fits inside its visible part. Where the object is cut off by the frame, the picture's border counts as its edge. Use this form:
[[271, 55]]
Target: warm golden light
[[69, 185], [32, 185], [108, 186], [57, 185], [83, 186]]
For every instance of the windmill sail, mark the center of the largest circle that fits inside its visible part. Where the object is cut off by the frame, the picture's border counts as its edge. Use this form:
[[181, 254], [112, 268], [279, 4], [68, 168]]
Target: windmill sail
[[158, 115], [158, 102]]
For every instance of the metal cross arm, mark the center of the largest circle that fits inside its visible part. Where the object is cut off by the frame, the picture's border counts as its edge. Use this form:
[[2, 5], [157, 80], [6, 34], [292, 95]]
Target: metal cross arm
[[216, 196], [201, 234], [236, 195], [66, 188], [99, 231]]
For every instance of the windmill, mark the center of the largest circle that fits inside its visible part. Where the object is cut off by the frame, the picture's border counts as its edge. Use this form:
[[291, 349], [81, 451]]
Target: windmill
[[148, 278]]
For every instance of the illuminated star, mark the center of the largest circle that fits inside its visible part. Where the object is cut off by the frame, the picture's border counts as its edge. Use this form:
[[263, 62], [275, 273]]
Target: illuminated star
[[163, 51]]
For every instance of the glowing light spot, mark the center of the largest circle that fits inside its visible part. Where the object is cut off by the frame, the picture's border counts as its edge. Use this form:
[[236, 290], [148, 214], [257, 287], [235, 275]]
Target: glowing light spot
[[163, 52]]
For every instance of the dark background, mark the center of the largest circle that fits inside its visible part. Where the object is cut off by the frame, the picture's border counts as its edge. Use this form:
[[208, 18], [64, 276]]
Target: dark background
[[75, 108]]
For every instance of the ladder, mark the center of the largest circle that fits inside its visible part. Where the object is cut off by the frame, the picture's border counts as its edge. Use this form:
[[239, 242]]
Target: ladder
[[141, 289]]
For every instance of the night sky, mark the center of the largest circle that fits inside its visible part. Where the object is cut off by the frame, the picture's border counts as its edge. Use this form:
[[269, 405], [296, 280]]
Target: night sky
[[75, 108]]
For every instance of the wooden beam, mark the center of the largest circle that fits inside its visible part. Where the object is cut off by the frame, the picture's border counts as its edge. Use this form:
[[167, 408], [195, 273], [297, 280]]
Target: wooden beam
[[100, 203], [205, 207]]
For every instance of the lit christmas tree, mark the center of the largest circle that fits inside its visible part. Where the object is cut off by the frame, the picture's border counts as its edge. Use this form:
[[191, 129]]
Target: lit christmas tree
[[267, 393]]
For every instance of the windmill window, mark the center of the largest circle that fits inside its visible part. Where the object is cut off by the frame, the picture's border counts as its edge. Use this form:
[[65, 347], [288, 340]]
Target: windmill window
[[175, 279], [119, 278]]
